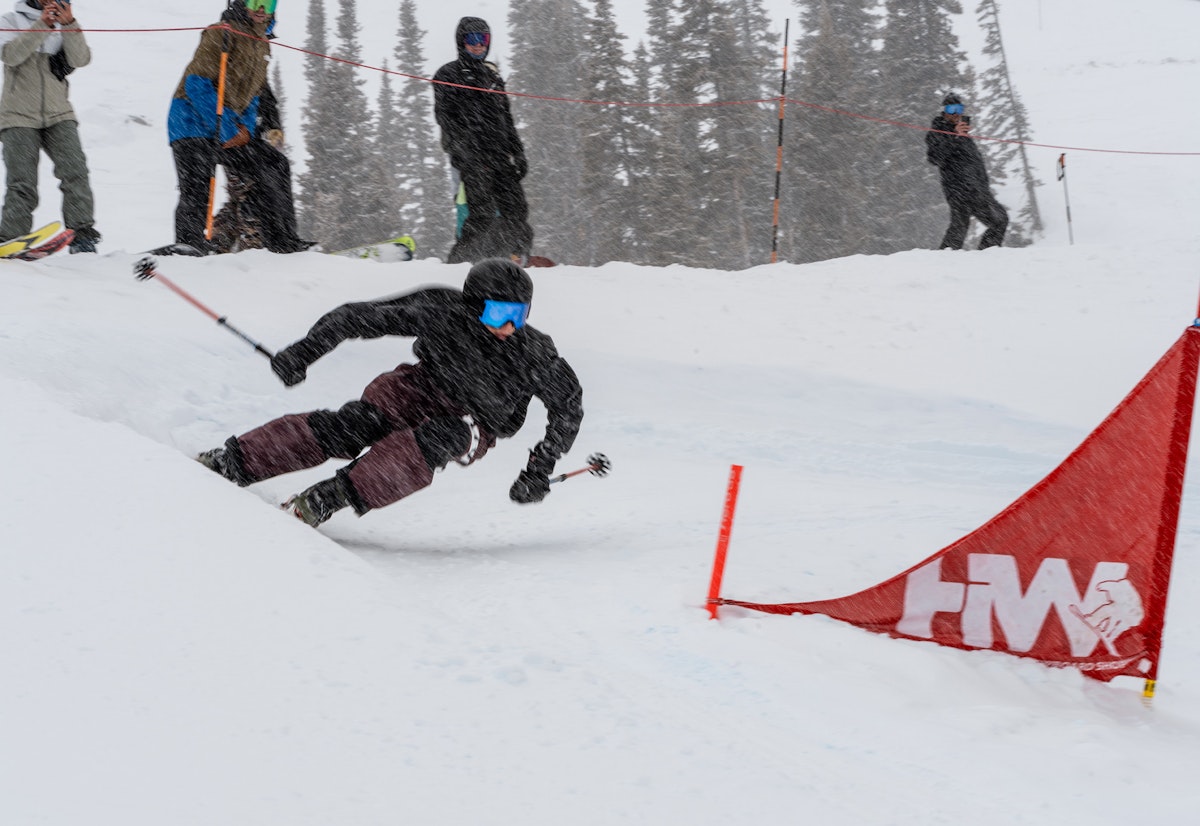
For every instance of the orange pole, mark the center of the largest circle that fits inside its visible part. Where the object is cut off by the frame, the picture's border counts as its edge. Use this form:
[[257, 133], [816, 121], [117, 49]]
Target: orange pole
[[212, 182], [731, 495]]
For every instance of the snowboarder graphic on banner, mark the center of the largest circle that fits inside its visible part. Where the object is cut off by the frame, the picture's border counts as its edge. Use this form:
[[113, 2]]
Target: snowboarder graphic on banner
[[964, 178], [481, 139], [478, 367]]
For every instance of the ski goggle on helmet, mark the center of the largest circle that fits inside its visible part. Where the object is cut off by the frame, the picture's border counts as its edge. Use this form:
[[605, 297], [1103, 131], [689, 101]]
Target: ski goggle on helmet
[[477, 39], [498, 313], [261, 5], [954, 108]]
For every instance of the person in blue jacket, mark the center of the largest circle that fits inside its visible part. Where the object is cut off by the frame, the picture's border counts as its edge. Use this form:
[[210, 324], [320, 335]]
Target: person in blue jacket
[[200, 139]]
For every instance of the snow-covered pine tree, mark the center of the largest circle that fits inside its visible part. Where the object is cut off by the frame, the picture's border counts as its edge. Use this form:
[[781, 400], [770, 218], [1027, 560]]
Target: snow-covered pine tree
[[1002, 115], [316, 199], [384, 185], [921, 61], [607, 142], [830, 173], [426, 193], [351, 152], [670, 215], [740, 145], [548, 42], [640, 159]]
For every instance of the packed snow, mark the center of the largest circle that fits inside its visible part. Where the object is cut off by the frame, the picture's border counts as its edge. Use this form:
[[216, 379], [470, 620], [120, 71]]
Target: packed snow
[[179, 651]]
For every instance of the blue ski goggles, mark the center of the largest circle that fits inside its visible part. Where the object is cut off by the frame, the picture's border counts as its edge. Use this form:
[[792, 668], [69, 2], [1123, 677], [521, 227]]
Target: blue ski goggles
[[477, 38], [498, 313], [954, 109]]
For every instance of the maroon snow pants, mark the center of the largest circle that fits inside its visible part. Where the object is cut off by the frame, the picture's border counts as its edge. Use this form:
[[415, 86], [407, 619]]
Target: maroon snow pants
[[392, 467]]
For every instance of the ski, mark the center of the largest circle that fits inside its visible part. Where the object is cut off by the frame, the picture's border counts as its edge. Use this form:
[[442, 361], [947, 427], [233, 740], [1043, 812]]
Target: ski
[[401, 248], [48, 247], [10, 248], [175, 249]]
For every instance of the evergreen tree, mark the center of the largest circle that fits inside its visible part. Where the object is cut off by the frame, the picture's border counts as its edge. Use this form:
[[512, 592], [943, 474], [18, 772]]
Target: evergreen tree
[[317, 197], [1004, 116], [669, 214], [385, 186], [830, 177], [548, 43], [606, 142], [425, 193]]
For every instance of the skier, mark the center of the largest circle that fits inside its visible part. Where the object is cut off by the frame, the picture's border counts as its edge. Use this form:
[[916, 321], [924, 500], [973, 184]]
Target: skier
[[479, 365], [964, 178], [479, 135], [192, 126], [41, 43]]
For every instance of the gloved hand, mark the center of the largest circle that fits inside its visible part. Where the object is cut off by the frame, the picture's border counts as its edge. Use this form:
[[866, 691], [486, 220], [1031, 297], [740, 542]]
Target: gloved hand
[[290, 366], [533, 483], [520, 165], [275, 138], [240, 139]]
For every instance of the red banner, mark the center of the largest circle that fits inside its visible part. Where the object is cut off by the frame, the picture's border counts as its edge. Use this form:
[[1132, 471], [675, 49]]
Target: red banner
[[1075, 572]]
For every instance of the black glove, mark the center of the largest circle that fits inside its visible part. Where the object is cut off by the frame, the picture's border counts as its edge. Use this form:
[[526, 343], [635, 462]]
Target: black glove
[[533, 483], [520, 166], [290, 366]]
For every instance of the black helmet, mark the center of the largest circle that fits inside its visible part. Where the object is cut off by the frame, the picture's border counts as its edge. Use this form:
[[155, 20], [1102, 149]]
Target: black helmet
[[951, 99], [495, 279]]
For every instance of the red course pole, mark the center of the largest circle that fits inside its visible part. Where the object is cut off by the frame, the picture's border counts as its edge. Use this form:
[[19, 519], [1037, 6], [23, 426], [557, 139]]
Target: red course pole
[[731, 495]]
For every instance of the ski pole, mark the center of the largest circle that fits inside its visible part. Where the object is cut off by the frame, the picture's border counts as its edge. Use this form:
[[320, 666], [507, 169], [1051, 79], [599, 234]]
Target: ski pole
[[1062, 176], [598, 465], [144, 270]]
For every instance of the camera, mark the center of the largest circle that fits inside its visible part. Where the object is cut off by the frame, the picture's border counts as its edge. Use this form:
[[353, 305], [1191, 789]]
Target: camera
[[966, 119]]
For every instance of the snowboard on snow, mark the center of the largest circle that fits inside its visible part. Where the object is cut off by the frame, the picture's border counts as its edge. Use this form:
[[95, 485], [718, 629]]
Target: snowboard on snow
[[38, 244]]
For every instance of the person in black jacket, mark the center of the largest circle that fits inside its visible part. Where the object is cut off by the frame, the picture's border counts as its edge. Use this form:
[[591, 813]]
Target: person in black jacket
[[479, 365], [479, 135], [964, 178]]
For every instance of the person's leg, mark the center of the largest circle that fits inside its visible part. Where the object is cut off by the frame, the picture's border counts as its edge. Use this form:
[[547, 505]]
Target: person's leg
[[994, 216], [65, 150], [514, 235], [481, 215], [195, 164], [269, 195], [956, 233], [22, 148]]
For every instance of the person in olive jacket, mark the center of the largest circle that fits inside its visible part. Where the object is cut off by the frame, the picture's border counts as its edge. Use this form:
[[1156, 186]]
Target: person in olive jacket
[[42, 45], [964, 178], [479, 135], [193, 125], [478, 367]]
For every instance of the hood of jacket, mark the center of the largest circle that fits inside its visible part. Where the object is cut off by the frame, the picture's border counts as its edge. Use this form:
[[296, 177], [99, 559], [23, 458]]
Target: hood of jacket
[[470, 24], [25, 16]]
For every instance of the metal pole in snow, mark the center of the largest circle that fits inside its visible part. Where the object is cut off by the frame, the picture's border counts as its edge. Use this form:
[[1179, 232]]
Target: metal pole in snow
[[779, 150], [1062, 176]]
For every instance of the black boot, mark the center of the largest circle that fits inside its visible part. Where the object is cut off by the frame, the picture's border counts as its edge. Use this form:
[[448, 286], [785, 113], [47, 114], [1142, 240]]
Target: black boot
[[226, 461], [319, 502]]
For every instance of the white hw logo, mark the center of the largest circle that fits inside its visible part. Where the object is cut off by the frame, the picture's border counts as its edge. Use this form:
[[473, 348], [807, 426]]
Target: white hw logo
[[1108, 608]]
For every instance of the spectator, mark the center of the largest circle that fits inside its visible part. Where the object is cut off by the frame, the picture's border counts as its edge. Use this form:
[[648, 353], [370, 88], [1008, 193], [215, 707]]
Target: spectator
[[35, 114], [964, 178], [479, 135], [193, 127]]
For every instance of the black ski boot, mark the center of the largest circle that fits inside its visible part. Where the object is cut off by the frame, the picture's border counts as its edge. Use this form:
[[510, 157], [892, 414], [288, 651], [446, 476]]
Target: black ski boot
[[319, 502], [227, 461]]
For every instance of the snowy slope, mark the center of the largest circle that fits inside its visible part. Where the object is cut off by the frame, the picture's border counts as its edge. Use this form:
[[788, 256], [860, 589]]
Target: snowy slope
[[176, 650]]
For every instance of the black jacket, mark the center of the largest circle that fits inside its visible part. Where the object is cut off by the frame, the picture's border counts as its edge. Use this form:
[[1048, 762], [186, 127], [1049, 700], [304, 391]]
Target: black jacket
[[476, 126], [958, 159], [493, 380]]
